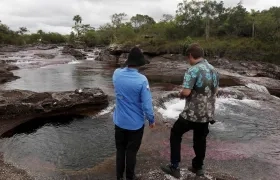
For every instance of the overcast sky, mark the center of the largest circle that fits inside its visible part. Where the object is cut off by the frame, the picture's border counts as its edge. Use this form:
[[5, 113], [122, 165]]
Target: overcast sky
[[57, 15]]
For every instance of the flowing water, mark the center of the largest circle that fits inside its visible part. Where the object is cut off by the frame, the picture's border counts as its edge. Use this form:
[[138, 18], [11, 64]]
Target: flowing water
[[246, 131]]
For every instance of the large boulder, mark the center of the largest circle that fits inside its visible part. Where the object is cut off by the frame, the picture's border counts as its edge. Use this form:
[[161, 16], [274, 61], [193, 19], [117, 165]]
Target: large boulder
[[5, 74], [71, 51], [19, 106], [118, 49]]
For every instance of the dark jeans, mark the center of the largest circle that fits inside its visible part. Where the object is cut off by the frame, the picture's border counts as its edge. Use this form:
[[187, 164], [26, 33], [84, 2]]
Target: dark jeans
[[200, 132], [127, 143]]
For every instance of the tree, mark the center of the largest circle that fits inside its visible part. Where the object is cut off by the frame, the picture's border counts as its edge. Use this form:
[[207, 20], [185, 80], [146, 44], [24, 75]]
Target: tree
[[252, 18], [90, 38], [77, 19], [167, 18], [79, 28], [139, 21], [71, 37], [125, 32], [117, 19], [22, 30], [106, 34], [40, 31]]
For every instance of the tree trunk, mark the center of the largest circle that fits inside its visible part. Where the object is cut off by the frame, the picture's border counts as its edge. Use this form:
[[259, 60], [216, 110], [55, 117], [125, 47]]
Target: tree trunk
[[253, 30], [207, 29]]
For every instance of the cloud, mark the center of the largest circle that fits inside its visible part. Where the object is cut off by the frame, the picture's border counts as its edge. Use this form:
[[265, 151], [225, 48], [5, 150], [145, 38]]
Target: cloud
[[57, 15]]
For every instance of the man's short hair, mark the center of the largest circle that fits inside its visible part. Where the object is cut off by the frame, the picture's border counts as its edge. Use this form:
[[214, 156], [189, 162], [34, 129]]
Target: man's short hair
[[195, 50]]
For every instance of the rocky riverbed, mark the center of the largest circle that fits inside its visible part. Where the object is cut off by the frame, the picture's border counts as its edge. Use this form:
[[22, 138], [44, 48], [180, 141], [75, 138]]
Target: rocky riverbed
[[242, 139]]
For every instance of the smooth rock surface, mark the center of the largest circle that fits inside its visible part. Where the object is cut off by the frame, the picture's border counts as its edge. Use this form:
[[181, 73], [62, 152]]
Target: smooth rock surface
[[19, 106]]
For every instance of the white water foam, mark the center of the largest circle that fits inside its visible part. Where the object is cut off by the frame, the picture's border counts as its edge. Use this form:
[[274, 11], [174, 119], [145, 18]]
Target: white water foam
[[175, 106], [107, 110], [91, 56], [257, 87], [74, 62]]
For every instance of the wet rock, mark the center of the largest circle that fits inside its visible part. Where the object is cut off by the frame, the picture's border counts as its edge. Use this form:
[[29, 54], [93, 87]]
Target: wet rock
[[71, 51], [88, 49], [97, 53], [45, 56], [106, 56], [147, 48], [10, 48], [118, 49], [47, 47], [18, 106], [234, 79], [249, 68], [5, 74], [164, 70]]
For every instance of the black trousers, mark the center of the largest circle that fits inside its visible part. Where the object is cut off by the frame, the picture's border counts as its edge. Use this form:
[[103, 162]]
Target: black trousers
[[200, 132], [127, 143]]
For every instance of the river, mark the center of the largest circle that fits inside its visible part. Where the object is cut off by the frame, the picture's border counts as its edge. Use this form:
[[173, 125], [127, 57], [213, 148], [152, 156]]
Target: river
[[245, 142]]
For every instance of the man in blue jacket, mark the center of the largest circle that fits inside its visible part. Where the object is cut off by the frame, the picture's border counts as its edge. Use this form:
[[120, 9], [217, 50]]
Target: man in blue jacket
[[133, 106]]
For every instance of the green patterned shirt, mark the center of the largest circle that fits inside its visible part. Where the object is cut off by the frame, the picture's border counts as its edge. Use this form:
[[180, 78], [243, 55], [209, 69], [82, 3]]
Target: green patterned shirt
[[203, 80]]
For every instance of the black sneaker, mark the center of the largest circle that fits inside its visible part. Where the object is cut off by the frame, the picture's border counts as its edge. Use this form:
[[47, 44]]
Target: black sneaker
[[134, 178], [168, 169], [198, 172]]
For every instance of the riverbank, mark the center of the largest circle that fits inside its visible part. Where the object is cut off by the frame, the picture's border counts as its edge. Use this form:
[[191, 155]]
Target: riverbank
[[239, 49]]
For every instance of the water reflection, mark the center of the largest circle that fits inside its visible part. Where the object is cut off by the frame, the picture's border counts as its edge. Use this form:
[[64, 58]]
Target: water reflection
[[62, 78], [60, 143]]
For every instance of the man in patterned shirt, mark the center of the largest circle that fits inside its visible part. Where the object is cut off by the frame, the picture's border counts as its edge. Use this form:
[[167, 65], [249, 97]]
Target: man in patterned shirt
[[200, 87]]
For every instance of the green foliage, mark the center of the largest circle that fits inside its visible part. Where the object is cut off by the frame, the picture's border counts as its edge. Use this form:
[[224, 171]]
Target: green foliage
[[90, 38], [105, 34], [185, 44], [141, 22]]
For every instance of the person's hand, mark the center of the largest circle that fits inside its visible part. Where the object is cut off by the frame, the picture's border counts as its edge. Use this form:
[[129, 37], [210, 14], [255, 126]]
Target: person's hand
[[153, 125], [180, 95]]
